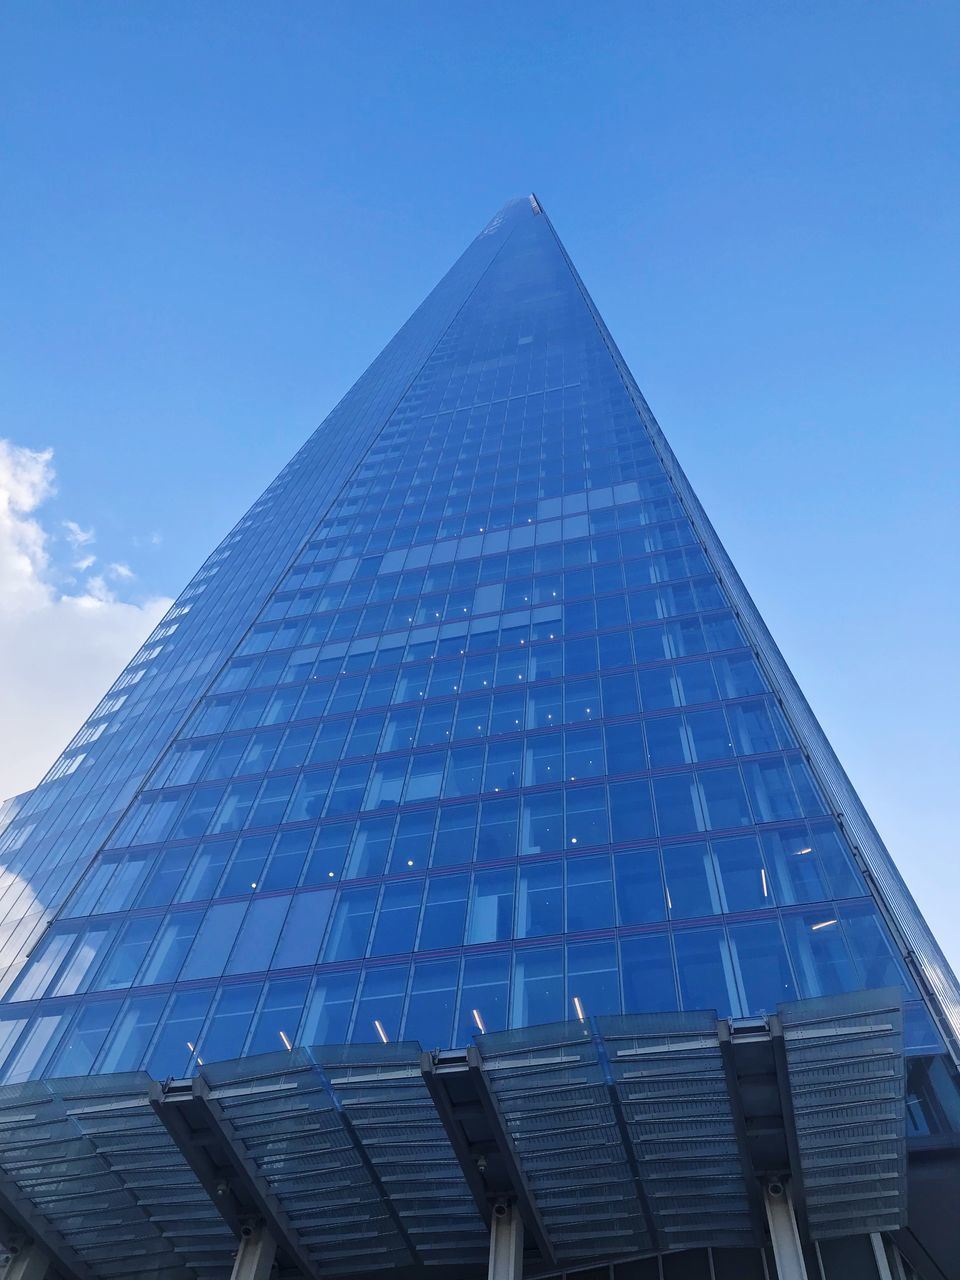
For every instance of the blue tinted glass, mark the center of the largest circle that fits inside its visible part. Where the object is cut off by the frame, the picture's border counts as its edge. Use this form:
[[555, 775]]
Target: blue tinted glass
[[649, 979], [476, 705], [705, 970]]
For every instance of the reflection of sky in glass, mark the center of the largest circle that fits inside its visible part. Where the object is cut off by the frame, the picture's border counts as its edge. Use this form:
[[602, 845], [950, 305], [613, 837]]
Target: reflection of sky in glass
[[460, 728]]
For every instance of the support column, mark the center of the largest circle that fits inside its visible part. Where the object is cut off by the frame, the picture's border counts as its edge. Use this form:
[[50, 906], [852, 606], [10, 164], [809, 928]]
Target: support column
[[784, 1235], [506, 1243], [880, 1256], [27, 1262], [255, 1255]]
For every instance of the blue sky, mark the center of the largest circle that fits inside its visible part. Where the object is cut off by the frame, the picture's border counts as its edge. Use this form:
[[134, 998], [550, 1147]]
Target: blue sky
[[215, 215]]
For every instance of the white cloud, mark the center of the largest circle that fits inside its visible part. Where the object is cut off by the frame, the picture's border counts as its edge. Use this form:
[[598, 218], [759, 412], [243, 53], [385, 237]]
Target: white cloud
[[75, 535], [58, 651]]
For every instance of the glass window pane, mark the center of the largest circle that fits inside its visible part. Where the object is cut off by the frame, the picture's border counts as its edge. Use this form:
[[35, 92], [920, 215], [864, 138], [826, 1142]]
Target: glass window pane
[[456, 831], [872, 948], [691, 886], [705, 970], [327, 855], [380, 1005], [483, 995], [593, 982], [649, 983], [246, 866], [213, 942], [327, 1019], [303, 931], [132, 1032], [80, 1047], [258, 935], [396, 927], [277, 1019], [585, 811], [173, 942], [678, 804], [819, 952], [431, 1004], [172, 1051], [631, 811], [765, 975], [540, 900], [723, 799], [744, 884], [444, 913], [589, 894], [491, 906], [227, 1029], [350, 926], [639, 886], [537, 987], [541, 823]]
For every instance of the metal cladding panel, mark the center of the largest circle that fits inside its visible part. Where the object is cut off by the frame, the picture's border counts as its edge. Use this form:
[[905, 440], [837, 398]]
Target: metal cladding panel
[[91, 1164], [847, 1085], [552, 1091], [669, 1077], [349, 1143], [617, 1138]]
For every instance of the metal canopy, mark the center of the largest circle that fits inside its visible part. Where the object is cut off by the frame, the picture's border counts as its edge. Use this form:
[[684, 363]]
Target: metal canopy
[[845, 1073], [89, 1171], [612, 1138]]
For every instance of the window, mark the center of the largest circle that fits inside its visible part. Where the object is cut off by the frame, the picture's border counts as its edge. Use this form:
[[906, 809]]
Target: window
[[764, 970], [230, 1022], [214, 940], [593, 982], [276, 1022], [174, 1047], [691, 884], [706, 972], [444, 913], [431, 1004], [327, 1017], [491, 906], [537, 987], [396, 927], [380, 1005], [350, 926], [649, 982], [589, 894], [258, 935], [128, 1039]]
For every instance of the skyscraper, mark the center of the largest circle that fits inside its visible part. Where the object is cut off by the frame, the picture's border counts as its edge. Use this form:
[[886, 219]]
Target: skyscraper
[[468, 724]]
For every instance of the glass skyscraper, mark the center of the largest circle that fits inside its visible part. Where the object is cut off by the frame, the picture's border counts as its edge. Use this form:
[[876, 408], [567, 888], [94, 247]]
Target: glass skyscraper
[[468, 724]]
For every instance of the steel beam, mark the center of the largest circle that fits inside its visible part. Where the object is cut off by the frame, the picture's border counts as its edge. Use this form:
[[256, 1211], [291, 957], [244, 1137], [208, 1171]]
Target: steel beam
[[506, 1243], [433, 1079], [525, 1202], [229, 1176], [798, 1204], [27, 1262], [880, 1256], [256, 1254], [784, 1235], [21, 1224]]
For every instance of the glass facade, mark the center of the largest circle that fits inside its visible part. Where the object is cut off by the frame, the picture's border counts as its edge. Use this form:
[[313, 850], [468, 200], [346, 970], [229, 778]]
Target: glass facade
[[465, 726]]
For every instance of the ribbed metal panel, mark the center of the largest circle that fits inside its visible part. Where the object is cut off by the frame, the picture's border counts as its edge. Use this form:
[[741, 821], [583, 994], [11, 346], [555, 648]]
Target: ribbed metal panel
[[96, 1166], [846, 1079]]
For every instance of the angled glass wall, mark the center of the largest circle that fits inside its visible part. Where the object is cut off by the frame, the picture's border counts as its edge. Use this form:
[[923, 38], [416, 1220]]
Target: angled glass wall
[[464, 727]]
